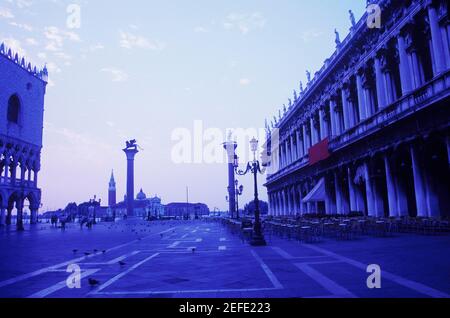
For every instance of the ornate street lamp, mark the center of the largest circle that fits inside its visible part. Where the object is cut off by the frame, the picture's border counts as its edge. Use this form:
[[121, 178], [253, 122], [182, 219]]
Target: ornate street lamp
[[254, 168], [239, 191]]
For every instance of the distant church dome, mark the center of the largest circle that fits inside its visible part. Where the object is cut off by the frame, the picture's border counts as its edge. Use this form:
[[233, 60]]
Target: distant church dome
[[141, 196]]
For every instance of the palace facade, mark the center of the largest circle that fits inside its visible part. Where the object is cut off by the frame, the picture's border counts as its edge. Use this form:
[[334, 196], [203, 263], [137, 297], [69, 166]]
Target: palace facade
[[22, 91], [370, 131]]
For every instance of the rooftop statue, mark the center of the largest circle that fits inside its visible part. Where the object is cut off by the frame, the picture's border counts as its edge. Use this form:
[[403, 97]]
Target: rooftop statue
[[338, 38], [352, 18], [131, 145], [308, 76]]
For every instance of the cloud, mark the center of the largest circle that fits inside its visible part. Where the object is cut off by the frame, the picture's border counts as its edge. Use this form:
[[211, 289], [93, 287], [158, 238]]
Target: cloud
[[244, 23], [244, 82], [31, 41], [6, 13], [130, 41], [57, 37], [23, 26], [200, 29], [309, 35], [116, 74], [22, 3]]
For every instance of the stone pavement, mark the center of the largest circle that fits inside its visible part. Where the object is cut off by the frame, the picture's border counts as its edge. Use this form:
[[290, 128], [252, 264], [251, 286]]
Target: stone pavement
[[197, 259]]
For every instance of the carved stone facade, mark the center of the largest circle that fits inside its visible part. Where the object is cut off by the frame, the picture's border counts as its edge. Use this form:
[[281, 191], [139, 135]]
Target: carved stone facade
[[22, 90], [380, 107]]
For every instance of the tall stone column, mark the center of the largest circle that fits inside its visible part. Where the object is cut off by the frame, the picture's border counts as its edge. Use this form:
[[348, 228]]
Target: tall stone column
[[345, 107], [405, 71], [391, 189], [131, 153], [294, 155], [294, 197], [419, 183], [305, 140], [380, 84], [230, 148], [339, 198], [352, 191], [300, 198], [361, 99], [333, 117], [313, 132], [323, 124], [300, 145], [369, 191], [436, 38]]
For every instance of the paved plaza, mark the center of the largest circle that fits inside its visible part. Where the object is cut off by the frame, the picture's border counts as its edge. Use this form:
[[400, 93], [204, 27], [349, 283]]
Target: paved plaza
[[202, 259]]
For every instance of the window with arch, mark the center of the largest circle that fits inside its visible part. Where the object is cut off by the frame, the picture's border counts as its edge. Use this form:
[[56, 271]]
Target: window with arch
[[13, 109]]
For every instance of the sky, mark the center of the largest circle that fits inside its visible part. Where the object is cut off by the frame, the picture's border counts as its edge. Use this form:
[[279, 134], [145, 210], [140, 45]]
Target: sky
[[175, 75]]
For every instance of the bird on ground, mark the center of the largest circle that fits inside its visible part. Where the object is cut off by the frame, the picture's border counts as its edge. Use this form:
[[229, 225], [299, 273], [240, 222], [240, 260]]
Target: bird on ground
[[104, 251], [121, 263], [93, 282], [193, 249], [75, 251], [87, 253]]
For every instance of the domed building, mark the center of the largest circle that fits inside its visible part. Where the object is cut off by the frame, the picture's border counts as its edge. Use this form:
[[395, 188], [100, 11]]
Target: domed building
[[144, 207]]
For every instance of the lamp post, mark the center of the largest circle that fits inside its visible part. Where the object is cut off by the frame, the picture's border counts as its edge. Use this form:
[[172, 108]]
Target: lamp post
[[239, 190], [254, 168]]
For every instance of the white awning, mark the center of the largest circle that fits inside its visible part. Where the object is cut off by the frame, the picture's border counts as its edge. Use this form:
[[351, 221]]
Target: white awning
[[317, 194]]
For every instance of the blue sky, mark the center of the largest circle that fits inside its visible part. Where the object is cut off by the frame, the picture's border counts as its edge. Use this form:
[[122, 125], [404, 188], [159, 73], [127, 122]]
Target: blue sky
[[142, 69]]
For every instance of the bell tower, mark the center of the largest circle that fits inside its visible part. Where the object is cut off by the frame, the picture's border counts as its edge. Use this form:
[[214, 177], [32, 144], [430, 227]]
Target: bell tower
[[112, 191]]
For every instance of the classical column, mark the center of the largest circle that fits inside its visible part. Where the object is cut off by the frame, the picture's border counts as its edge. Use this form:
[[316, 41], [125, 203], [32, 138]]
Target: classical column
[[345, 106], [380, 83], [391, 189], [131, 153], [405, 71], [313, 132], [285, 203], [287, 150], [300, 198], [351, 190], [419, 184], [361, 98], [323, 124], [333, 117], [294, 196], [294, 154], [436, 38], [2, 216], [305, 140], [300, 144], [433, 206], [19, 206], [369, 191], [338, 191]]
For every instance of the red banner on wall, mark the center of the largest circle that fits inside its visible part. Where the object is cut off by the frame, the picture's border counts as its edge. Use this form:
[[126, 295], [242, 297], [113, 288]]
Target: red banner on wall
[[319, 152]]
